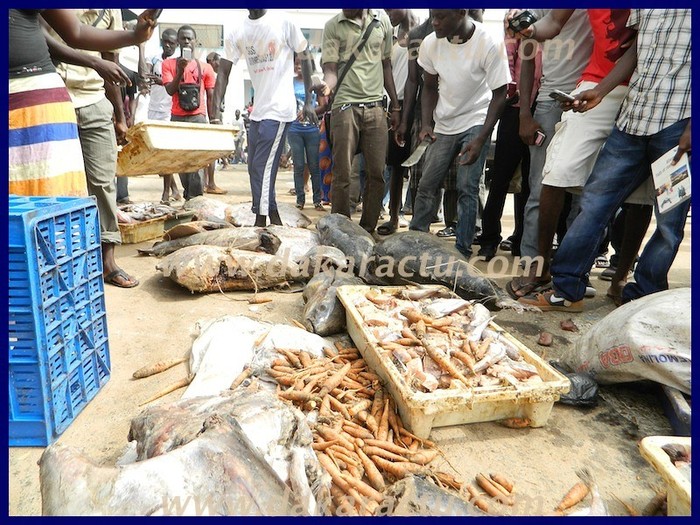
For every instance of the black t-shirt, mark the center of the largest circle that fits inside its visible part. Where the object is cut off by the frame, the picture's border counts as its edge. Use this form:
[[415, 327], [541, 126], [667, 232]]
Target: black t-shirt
[[29, 52]]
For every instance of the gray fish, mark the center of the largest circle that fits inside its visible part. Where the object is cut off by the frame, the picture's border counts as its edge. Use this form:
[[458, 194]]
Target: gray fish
[[324, 314], [190, 228], [206, 209], [219, 472], [245, 238], [213, 269], [294, 242], [325, 258], [349, 237], [240, 215], [423, 258]]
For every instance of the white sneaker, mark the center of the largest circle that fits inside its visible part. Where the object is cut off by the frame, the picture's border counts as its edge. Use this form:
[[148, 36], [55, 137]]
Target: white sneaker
[[403, 223]]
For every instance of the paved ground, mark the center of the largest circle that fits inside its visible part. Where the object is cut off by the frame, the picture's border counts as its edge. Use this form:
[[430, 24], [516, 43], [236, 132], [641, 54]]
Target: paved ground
[[154, 321]]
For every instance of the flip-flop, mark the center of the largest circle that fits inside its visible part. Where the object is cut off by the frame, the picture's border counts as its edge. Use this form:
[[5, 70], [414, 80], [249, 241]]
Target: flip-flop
[[111, 278], [526, 287], [386, 229]]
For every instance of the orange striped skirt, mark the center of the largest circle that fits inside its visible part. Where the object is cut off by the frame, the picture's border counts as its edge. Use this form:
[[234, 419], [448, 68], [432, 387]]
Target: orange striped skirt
[[45, 157]]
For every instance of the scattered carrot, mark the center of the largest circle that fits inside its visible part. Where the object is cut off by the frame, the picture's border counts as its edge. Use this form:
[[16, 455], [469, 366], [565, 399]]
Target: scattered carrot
[[291, 357], [384, 422], [477, 499], [260, 339], [245, 374], [333, 381], [298, 324], [423, 457], [465, 358], [443, 361], [157, 368], [384, 453], [492, 490], [259, 300], [322, 446], [629, 508], [503, 482], [175, 386], [363, 488], [574, 496]]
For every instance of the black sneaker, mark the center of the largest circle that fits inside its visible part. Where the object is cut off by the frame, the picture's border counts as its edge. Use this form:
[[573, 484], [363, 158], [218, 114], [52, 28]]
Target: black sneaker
[[488, 252], [447, 232]]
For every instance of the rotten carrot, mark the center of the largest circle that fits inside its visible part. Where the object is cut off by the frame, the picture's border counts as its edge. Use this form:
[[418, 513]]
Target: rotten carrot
[[503, 482], [477, 499], [157, 368], [573, 496], [175, 386], [245, 374], [492, 491]]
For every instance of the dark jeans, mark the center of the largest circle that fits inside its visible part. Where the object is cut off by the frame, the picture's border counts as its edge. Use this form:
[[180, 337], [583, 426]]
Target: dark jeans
[[510, 151], [192, 183], [439, 156], [623, 165], [304, 146]]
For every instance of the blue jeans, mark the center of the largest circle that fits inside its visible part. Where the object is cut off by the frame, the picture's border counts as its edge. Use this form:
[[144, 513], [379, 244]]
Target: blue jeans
[[304, 146], [439, 156], [623, 164], [547, 114]]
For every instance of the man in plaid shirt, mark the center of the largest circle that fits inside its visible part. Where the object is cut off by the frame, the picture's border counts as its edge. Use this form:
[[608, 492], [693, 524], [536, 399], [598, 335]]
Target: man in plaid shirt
[[654, 118]]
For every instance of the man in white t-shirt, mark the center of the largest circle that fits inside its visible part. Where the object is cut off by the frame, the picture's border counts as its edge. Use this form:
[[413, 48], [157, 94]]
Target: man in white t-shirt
[[472, 71], [268, 42], [160, 103]]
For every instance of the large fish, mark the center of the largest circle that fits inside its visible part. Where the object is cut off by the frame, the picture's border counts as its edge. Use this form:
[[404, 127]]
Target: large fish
[[212, 268], [245, 238], [276, 430], [349, 237], [414, 496], [240, 215], [190, 228], [220, 472], [324, 314], [421, 257], [294, 242], [206, 209]]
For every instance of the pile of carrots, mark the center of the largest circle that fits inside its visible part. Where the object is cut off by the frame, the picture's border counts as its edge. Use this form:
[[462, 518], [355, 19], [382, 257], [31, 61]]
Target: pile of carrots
[[359, 438]]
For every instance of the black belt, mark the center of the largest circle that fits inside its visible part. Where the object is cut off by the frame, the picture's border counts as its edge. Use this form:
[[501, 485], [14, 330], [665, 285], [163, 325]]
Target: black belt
[[366, 105]]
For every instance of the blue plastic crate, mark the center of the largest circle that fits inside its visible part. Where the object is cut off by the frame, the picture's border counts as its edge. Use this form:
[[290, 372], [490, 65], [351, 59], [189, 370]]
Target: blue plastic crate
[[58, 341]]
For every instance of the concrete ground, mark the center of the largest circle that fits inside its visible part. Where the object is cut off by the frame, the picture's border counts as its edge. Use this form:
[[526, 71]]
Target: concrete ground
[[154, 321]]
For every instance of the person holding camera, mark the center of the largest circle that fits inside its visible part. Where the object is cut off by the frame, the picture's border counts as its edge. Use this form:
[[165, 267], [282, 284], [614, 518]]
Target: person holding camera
[[187, 80], [574, 147]]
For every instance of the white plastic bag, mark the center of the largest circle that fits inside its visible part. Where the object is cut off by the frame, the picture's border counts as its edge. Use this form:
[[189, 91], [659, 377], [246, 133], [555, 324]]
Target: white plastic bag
[[645, 339]]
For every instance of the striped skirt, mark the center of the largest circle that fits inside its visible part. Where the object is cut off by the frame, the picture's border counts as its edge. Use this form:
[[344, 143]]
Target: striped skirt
[[45, 157]]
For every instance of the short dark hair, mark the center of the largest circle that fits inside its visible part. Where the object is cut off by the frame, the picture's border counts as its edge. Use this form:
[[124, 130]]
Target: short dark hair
[[187, 28], [168, 32]]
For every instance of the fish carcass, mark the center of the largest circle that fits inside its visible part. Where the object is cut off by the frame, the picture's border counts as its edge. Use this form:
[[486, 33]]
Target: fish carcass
[[206, 209], [244, 238], [421, 257], [219, 472], [212, 268], [190, 228], [349, 237], [241, 215], [295, 243], [278, 432], [324, 314]]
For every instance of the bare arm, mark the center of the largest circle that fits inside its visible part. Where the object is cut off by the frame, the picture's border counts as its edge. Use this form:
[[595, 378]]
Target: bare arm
[[306, 72], [620, 73], [172, 87], [211, 106], [330, 75], [108, 70], [83, 36], [429, 98], [219, 92], [114, 94], [528, 125], [549, 26], [394, 107], [472, 150]]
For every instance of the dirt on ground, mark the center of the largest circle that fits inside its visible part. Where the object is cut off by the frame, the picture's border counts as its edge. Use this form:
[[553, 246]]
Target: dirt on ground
[[156, 321]]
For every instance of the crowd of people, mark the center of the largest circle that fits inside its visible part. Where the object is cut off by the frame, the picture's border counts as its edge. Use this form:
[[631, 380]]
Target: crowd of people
[[584, 100]]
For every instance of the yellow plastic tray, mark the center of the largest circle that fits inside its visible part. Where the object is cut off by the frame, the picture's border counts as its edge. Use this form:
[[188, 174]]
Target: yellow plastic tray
[[422, 411], [133, 233], [677, 485], [173, 147]]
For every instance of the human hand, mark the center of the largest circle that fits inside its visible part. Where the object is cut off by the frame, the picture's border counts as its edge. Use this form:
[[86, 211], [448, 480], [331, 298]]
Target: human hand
[[399, 135], [145, 23], [111, 72], [585, 101], [683, 145], [471, 151], [426, 133], [528, 129]]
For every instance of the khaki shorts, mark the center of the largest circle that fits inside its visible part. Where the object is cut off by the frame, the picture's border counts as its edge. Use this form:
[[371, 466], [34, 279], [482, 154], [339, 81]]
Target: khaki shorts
[[578, 138]]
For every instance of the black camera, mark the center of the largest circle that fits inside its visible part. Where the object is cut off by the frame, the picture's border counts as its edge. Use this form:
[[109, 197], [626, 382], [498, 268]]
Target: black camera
[[522, 21]]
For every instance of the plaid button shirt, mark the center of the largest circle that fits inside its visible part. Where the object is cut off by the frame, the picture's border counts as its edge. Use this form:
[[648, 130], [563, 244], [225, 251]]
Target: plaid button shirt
[[659, 93]]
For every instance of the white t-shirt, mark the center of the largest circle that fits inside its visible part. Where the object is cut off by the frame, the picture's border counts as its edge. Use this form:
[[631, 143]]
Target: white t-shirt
[[268, 45], [142, 107], [467, 74], [160, 103], [399, 68]]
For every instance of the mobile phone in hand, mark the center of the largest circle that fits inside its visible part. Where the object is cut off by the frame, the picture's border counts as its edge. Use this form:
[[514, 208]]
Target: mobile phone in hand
[[562, 97], [540, 137], [522, 21], [187, 53]]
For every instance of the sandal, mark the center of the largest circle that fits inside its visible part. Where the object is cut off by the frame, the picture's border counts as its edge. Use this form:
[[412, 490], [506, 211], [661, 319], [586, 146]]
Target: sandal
[[386, 229], [120, 279], [518, 287], [602, 262]]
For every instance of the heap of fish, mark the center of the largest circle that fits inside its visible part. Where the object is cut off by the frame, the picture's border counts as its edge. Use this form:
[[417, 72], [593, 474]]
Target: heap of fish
[[213, 210], [143, 211]]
